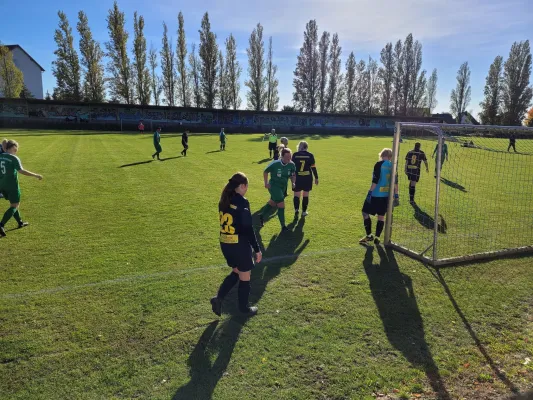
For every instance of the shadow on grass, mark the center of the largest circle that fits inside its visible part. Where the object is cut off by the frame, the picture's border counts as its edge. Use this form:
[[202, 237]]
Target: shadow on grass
[[264, 160], [453, 185], [219, 338], [136, 163], [427, 220], [396, 302], [497, 371], [213, 151], [170, 158]]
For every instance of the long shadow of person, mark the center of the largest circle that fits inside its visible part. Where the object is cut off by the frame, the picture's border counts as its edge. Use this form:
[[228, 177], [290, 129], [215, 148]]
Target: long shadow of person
[[219, 338], [453, 184], [482, 349], [427, 220], [396, 302]]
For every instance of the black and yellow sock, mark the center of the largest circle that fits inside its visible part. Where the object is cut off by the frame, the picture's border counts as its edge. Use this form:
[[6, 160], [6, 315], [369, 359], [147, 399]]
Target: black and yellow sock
[[228, 282], [368, 226], [305, 203], [243, 295], [296, 201], [281, 216], [379, 227]]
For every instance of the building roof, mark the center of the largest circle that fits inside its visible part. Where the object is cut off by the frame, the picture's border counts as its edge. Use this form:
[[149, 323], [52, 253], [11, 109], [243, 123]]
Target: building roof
[[12, 46]]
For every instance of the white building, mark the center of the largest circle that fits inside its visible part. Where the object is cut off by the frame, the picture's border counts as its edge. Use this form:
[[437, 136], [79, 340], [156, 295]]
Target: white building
[[33, 78]]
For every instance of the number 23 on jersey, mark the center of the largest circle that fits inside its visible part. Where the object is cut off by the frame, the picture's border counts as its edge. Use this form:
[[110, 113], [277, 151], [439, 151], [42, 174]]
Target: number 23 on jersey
[[226, 223]]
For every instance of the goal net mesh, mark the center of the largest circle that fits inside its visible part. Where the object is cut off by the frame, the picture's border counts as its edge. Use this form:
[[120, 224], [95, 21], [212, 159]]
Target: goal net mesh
[[482, 205]]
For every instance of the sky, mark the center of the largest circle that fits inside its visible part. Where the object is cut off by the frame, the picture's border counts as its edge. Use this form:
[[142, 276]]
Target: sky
[[450, 31]]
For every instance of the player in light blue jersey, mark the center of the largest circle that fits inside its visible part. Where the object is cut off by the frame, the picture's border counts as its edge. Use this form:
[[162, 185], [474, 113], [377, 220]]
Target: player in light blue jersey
[[376, 201]]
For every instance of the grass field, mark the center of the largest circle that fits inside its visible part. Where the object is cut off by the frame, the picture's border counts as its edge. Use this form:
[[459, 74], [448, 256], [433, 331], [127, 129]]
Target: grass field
[[106, 293]]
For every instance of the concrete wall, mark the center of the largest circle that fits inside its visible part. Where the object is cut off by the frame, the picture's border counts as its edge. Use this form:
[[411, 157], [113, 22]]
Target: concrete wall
[[33, 78]]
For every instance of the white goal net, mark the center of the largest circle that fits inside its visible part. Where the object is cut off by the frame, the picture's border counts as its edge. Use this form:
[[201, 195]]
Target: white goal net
[[475, 202]]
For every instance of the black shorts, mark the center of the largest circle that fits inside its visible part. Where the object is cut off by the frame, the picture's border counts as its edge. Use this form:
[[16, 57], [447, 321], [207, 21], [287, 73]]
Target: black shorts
[[272, 146], [238, 256], [413, 175], [378, 205], [303, 183]]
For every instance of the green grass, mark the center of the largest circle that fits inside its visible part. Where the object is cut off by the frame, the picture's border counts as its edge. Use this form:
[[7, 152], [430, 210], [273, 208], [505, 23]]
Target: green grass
[[106, 293]]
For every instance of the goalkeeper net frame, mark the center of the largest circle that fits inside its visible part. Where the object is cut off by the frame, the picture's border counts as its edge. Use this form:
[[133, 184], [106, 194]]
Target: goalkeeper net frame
[[480, 205]]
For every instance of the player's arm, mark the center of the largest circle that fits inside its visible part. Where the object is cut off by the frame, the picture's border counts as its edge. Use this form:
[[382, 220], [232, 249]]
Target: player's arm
[[426, 162], [248, 230], [265, 177], [28, 173], [314, 170], [434, 151]]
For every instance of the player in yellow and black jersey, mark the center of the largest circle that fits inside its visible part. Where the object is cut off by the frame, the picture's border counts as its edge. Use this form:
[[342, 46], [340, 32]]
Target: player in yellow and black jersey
[[305, 170], [237, 240], [413, 161]]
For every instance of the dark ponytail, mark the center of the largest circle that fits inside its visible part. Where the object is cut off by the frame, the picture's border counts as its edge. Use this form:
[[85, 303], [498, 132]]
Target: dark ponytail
[[229, 190]]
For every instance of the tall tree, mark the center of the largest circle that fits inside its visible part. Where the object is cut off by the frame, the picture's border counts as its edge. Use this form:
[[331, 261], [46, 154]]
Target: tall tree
[[47, 96], [233, 73], [223, 94], [119, 68], [431, 91], [256, 83], [516, 92], [25, 93], [418, 80], [272, 97], [168, 68], [306, 76], [350, 84], [386, 75], [142, 73], [491, 104], [11, 78], [184, 87], [408, 61], [66, 67], [362, 86], [335, 89], [324, 65], [209, 57], [460, 96], [398, 77], [91, 60], [155, 81], [195, 68], [374, 86]]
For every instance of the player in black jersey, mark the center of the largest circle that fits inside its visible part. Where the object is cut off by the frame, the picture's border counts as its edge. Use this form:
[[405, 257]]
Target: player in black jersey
[[305, 166], [237, 239], [413, 161], [512, 143], [185, 143]]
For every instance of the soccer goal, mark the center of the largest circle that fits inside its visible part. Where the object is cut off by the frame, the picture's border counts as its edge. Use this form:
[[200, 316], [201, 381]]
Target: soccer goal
[[474, 202]]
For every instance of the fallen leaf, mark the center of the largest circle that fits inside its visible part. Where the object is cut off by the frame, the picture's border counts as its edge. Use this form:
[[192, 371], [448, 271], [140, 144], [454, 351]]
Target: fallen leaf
[[466, 365]]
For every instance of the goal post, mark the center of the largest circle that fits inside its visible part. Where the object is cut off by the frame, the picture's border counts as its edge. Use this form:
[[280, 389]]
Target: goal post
[[473, 202]]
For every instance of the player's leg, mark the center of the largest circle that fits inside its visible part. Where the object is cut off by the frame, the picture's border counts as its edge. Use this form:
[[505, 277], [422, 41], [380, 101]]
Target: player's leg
[[8, 214], [225, 287], [379, 227], [267, 209], [367, 223], [305, 203], [243, 294], [296, 201], [281, 215], [514, 147]]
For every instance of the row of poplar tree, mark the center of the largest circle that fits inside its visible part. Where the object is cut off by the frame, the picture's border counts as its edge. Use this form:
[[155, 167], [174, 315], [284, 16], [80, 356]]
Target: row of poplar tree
[[204, 77]]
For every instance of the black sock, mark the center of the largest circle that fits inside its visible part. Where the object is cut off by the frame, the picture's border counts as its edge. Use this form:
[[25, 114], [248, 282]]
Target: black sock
[[296, 201], [227, 284], [412, 190], [17, 217], [185, 152], [244, 294], [379, 227], [305, 203], [368, 226]]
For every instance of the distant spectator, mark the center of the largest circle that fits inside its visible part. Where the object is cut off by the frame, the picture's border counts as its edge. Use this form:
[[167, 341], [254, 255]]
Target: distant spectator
[[141, 127]]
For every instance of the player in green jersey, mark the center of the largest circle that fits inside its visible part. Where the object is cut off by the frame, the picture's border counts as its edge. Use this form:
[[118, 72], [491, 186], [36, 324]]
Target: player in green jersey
[[443, 154], [157, 143], [222, 136], [10, 167], [280, 172]]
